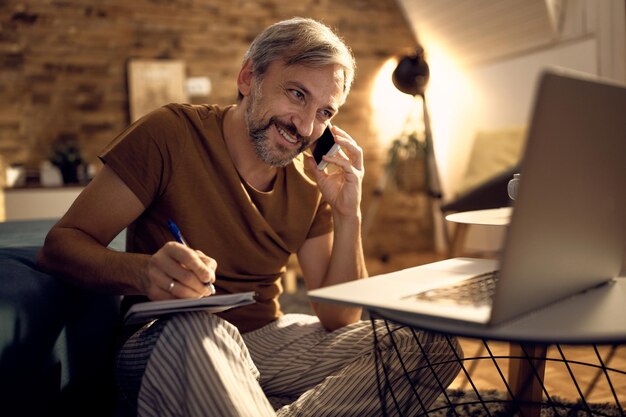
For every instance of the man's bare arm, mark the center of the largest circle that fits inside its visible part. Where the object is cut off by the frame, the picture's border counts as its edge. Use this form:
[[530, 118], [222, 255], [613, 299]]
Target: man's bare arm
[[76, 248], [332, 259], [338, 257]]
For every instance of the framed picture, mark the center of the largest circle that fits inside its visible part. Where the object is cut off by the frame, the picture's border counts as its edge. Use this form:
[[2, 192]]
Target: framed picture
[[153, 83]]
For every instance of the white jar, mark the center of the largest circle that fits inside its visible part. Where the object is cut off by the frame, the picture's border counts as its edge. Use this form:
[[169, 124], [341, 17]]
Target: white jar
[[513, 186]]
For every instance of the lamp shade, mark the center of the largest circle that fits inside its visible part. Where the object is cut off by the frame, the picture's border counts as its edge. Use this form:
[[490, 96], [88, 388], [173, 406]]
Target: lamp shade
[[412, 73]]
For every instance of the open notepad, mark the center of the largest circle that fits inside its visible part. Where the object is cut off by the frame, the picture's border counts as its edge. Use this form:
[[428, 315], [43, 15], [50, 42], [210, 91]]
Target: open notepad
[[144, 312]]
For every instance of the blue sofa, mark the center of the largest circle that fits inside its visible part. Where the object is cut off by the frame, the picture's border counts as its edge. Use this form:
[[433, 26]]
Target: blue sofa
[[56, 341]]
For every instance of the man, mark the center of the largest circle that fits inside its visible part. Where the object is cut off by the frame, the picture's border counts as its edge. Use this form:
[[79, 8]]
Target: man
[[245, 197]]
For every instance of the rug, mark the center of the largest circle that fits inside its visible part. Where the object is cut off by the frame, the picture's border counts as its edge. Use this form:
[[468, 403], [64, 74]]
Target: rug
[[467, 404], [296, 302]]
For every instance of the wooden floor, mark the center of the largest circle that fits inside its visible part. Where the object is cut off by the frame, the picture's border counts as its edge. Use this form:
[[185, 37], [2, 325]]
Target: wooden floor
[[558, 378], [582, 360]]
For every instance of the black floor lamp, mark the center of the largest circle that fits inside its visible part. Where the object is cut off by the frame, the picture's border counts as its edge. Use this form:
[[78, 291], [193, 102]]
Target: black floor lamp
[[411, 77]]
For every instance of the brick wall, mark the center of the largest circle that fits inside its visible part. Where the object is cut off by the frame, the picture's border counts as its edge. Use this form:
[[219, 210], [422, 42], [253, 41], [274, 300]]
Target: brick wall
[[63, 62]]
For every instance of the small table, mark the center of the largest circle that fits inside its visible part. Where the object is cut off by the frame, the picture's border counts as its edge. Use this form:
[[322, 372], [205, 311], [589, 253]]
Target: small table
[[590, 318], [594, 317], [522, 385], [532, 334], [487, 217]]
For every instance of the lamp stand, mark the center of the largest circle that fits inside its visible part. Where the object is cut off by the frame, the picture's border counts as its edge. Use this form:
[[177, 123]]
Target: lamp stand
[[431, 185]]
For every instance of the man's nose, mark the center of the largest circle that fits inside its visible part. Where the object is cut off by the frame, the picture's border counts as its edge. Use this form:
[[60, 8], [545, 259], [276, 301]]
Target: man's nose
[[305, 122]]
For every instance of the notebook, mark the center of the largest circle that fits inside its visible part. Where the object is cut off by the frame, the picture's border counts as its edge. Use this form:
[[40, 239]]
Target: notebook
[[567, 229]]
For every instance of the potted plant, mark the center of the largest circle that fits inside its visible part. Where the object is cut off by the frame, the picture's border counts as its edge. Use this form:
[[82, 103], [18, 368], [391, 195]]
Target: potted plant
[[407, 163], [66, 156]]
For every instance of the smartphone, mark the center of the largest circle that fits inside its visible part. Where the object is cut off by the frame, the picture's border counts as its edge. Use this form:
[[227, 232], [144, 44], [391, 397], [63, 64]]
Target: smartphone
[[325, 145]]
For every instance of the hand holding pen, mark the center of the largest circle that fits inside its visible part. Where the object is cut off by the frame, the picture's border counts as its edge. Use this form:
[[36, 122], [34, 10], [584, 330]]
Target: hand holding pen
[[178, 236]]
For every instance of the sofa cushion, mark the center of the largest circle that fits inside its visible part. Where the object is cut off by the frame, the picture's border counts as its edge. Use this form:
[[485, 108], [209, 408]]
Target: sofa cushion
[[55, 339]]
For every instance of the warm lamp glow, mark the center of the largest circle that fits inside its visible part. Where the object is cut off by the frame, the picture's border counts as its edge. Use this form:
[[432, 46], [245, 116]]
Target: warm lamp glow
[[390, 107], [453, 106], [449, 96]]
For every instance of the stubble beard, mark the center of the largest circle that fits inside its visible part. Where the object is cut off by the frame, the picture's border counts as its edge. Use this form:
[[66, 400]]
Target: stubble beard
[[277, 156]]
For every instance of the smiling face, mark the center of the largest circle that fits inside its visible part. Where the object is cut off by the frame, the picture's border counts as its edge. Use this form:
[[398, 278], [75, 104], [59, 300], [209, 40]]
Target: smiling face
[[289, 108]]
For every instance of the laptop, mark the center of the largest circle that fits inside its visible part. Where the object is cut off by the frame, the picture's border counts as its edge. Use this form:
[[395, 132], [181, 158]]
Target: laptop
[[567, 229]]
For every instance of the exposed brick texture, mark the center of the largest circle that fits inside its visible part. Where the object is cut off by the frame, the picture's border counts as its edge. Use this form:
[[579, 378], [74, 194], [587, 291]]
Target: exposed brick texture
[[63, 62]]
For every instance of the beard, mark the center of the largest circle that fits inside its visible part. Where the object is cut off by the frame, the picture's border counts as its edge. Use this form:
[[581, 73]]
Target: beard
[[273, 154]]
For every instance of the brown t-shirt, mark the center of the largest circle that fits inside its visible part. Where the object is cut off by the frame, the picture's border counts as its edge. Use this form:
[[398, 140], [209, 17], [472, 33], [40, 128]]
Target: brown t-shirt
[[176, 161]]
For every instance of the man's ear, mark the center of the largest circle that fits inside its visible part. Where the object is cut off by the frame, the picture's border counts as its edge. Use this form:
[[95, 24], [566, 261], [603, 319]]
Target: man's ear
[[245, 77]]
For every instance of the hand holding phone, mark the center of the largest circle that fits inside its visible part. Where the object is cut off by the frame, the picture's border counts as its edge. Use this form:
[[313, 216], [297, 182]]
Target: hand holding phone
[[325, 145]]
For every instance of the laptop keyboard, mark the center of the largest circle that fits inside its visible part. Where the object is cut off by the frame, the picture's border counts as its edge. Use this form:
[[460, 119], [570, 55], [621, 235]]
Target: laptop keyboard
[[477, 291]]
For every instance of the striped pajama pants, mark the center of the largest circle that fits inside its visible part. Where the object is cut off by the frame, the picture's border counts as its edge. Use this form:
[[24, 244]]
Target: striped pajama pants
[[196, 364]]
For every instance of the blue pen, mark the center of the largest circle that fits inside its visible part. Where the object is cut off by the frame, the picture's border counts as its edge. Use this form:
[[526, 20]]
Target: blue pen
[[179, 238]]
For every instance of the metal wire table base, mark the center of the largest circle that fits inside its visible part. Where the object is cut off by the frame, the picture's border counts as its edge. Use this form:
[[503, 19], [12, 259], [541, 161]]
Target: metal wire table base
[[525, 393]]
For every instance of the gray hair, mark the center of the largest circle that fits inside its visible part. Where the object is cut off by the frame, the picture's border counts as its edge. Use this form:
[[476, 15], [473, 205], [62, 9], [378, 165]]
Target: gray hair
[[301, 41]]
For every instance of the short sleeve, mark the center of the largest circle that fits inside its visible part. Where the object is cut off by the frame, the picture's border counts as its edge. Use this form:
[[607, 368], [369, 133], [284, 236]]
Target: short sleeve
[[141, 155]]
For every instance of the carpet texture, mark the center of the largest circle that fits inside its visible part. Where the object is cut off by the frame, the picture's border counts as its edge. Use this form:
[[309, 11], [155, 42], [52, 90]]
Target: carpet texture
[[468, 405]]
